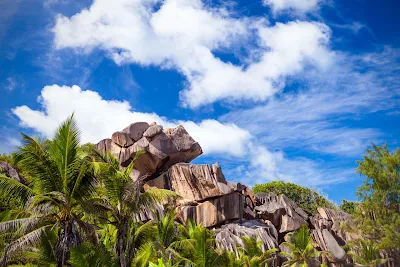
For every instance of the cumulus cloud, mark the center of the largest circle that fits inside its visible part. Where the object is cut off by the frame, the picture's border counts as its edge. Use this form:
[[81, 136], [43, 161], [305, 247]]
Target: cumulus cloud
[[186, 35], [301, 6], [99, 118], [324, 116]]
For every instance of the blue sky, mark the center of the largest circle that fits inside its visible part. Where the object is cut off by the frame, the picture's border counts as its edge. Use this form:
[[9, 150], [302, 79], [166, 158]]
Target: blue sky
[[272, 89]]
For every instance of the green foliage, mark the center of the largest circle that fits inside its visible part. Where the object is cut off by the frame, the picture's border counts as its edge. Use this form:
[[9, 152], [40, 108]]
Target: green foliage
[[161, 264], [304, 197], [119, 201], [301, 248], [379, 215], [366, 253], [62, 178], [80, 208], [251, 254], [348, 206], [88, 254]]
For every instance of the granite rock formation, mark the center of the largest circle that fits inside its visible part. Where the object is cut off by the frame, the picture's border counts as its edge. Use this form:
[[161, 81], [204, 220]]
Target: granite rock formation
[[232, 210], [162, 147]]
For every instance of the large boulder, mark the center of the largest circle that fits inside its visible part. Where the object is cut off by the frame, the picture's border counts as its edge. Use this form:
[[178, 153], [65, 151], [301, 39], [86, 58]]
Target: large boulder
[[161, 149], [326, 238], [10, 172], [214, 211], [193, 182], [136, 130], [281, 211], [229, 236], [122, 139], [332, 245]]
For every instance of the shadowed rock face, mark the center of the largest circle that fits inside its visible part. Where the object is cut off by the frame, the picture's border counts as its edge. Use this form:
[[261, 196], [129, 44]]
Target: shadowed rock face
[[281, 211], [213, 211]]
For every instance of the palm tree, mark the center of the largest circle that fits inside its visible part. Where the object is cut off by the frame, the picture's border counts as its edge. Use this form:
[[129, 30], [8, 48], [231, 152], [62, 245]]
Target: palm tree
[[199, 249], [366, 253], [301, 248], [62, 178], [251, 254], [164, 243], [120, 200]]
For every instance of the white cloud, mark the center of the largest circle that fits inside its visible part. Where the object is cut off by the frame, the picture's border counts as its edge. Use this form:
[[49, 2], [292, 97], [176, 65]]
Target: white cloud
[[328, 115], [301, 6], [184, 35], [99, 118]]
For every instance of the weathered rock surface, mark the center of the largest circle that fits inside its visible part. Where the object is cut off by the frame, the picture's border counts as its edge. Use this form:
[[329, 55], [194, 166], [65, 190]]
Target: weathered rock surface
[[136, 130], [281, 211], [209, 199], [192, 181], [10, 172], [335, 216], [122, 139], [153, 131], [229, 236], [327, 234], [332, 245], [161, 150], [214, 211]]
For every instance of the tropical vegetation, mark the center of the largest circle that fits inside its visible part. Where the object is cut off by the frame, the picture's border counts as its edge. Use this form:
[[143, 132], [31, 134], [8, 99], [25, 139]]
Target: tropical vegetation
[[300, 249], [76, 207], [306, 198]]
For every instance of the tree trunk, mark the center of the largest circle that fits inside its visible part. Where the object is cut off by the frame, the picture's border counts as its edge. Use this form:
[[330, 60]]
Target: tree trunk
[[68, 239], [120, 246]]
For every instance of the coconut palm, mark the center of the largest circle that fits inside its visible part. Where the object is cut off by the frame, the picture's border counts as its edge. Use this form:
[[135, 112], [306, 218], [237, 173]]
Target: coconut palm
[[165, 242], [301, 248], [62, 178], [199, 247], [120, 201], [251, 254], [366, 253]]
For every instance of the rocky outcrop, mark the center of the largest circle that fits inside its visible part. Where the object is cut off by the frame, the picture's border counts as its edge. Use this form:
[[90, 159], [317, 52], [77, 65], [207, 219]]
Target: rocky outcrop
[[232, 210], [162, 149], [193, 182], [327, 233], [10, 172], [281, 211], [229, 236], [214, 211]]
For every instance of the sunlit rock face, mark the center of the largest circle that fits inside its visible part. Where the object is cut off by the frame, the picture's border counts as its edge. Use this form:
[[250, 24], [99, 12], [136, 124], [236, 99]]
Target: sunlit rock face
[[162, 147], [232, 210]]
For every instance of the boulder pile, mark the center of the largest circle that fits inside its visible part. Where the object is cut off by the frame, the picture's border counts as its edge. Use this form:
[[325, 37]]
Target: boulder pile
[[232, 210]]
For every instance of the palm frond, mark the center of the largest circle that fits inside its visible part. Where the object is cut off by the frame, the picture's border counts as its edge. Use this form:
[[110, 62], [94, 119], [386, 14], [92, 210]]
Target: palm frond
[[149, 199], [30, 239], [36, 160], [64, 149], [13, 192], [22, 225]]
